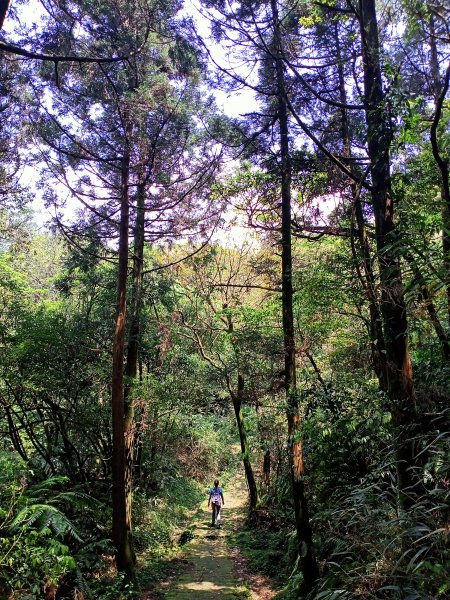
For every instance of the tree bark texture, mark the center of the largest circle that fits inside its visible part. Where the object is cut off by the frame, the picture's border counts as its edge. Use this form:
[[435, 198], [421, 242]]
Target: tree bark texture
[[308, 561], [121, 530], [4, 5], [393, 310], [364, 269], [131, 367], [245, 449], [439, 94]]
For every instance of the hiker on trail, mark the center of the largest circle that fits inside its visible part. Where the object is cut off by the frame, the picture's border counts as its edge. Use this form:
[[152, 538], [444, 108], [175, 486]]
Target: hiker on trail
[[216, 498]]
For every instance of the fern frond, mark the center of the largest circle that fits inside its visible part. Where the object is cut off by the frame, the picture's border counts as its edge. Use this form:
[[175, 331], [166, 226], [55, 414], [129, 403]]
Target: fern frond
[[29, 516], [46, 516], [82, 584], [79, 500], [43, 487]]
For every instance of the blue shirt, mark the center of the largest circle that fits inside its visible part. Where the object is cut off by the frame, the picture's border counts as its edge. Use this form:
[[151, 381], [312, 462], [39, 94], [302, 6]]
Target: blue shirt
[[215, 494]]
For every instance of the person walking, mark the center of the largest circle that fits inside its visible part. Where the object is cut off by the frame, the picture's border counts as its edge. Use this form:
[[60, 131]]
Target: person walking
[[216, 500]]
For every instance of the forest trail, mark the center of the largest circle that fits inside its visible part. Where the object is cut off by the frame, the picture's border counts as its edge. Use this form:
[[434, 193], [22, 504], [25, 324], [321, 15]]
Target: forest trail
[[212, 568]]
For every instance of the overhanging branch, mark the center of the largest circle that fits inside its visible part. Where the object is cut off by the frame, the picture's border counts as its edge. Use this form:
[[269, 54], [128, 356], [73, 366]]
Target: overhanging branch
[[441, 162], [56, 58]]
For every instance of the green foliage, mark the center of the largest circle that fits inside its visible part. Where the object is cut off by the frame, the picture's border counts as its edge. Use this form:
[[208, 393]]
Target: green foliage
[[341, 448], [214, 319], [268, 549], [370, 548], [108, 588], [168, 509], [46, 536], [30, 557], [34, 536], [162, 526]]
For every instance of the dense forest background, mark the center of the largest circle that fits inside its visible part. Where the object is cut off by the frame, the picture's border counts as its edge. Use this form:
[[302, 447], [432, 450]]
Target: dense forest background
[[245, 261]]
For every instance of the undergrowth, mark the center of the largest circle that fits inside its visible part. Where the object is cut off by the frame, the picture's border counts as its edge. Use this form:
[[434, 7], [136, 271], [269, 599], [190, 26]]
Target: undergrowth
[[55, 538], [164, 521], [161, 523], [267, 552], [367, 547]]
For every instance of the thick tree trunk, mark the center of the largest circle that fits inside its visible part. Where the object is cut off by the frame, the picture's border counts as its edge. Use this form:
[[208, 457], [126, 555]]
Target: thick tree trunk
[[364, 269], [4, 5], [131, 366], [308, 561], [245, 449], [399, 370], [121, 530], [439, 93]]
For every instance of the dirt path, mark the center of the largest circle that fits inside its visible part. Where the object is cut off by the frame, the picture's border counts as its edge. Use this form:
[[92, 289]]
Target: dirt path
[[211, 569]]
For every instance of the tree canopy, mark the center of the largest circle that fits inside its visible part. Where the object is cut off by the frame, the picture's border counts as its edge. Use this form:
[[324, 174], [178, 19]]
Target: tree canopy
[[225, 244]]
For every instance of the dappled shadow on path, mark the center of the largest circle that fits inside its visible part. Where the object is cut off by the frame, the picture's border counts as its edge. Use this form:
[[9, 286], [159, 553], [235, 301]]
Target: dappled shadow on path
[[209, 571], [209, 567]]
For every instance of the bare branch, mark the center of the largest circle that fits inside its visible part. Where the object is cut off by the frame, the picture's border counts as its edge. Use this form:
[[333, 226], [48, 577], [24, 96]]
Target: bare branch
[[176, 262], [323, 149], [57, 58], [246, 286]]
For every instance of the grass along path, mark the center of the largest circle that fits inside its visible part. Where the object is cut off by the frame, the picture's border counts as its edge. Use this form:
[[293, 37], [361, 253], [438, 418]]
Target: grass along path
[[211, 568]]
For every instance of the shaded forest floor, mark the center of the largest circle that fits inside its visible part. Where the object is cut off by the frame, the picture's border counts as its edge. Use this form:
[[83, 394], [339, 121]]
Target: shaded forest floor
[[209, 567]]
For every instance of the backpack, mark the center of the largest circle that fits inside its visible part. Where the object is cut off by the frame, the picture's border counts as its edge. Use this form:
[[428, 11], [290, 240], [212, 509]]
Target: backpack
[[215, 495]]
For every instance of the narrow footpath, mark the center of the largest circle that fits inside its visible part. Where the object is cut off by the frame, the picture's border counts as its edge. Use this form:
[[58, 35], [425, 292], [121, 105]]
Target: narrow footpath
[[211, 568], [209, 572]]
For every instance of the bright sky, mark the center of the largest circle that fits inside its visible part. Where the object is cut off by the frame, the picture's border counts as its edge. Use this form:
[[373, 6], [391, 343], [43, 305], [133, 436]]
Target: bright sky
[[234, 105], [30, 14]]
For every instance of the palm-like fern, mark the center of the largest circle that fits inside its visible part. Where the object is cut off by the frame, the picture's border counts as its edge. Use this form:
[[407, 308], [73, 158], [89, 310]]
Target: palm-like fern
[[43, 517], [41, 508]]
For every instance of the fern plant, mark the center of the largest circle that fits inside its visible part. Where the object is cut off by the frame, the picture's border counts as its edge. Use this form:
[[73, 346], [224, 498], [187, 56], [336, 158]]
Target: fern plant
[[372, 549], [41, 507], [39, 537]]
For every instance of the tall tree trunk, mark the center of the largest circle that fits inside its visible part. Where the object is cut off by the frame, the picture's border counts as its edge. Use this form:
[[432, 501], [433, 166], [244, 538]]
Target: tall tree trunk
[[138, 451], [399, 369], [366, 275], [439, 93], [4, 5], [121, 530], [308, 561], [237, 399], [131, 366], [245, 449]]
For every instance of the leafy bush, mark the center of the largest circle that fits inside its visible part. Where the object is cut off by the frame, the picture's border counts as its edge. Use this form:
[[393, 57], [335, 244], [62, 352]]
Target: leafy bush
[[40, 544], [368, 548]]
